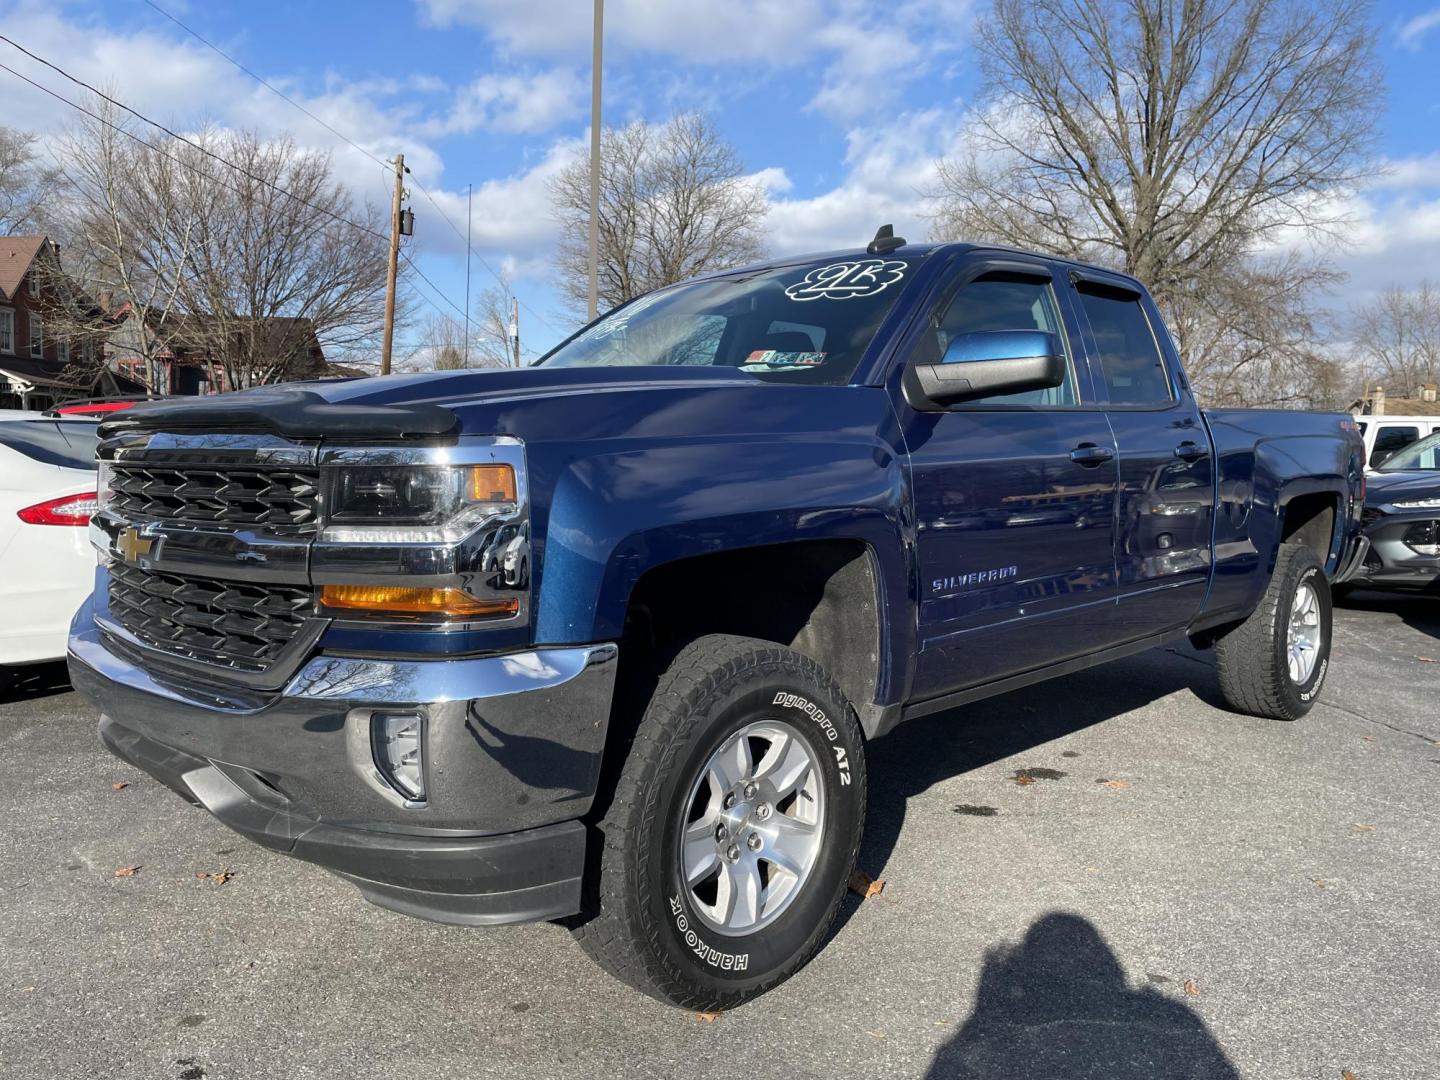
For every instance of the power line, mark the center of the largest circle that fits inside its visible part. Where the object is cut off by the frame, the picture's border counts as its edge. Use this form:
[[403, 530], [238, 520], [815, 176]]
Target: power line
[[353, 144], [268, 86], [173, 134], [190, 165], [411, 263]]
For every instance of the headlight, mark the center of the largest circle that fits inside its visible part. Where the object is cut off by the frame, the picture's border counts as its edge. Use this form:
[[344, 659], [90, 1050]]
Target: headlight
[[1431, 503], [416, 504]]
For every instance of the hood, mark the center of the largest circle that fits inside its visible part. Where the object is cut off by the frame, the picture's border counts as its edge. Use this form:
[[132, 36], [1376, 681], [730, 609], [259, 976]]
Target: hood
[[567, 406], [458, 389], [1383, 488]]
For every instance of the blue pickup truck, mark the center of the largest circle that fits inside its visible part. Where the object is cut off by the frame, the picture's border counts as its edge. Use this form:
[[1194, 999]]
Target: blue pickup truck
[[605, 640]]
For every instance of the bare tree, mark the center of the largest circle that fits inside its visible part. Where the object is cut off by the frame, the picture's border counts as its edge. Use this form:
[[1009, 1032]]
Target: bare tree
[[1173, 139], [674, 202], [1398, 339], [25, 181], [126, 249], [445, 340], [275, 263], [242, 252]]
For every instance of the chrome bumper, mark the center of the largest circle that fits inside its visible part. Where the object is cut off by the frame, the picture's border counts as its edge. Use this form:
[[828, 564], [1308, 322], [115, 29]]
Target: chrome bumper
[[513, 750], [513, 741]]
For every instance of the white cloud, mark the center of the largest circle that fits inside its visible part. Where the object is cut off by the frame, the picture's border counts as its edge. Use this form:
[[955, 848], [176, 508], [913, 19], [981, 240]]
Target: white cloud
[[514, 103], [704, 32], [511, 217], [888, 167], [862, 52], [1413, 32]]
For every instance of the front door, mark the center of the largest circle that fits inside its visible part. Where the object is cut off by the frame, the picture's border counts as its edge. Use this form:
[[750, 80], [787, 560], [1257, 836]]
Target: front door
[[1014, 498]]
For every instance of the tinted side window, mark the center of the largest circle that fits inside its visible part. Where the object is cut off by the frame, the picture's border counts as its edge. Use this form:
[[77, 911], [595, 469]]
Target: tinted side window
[[67, 443], [1390, 438], [999, 302], [1129, 358]]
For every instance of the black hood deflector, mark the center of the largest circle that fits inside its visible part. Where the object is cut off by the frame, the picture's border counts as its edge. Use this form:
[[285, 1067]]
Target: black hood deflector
[[292, 413]]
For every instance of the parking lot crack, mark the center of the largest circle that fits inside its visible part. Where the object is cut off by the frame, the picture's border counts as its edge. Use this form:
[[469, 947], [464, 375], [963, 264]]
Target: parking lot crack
[[1428, 740]]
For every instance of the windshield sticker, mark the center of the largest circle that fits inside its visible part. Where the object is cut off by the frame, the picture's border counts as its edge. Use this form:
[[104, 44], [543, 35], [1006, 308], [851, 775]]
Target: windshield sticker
[[847, 280], [776, 360]]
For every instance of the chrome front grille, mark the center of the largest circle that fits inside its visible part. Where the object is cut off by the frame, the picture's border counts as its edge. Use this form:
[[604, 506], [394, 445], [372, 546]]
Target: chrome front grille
[[238, 625], [282, 501]]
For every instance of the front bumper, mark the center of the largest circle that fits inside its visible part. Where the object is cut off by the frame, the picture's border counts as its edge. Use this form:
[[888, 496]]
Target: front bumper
[[513, 753], [1392, 563]]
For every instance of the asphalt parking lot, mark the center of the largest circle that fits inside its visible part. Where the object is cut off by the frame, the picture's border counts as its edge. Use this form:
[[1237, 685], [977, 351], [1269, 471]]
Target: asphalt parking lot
[[1179, 892]]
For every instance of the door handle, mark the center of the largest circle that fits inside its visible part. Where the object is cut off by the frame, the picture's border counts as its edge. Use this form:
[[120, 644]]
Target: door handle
[[1191, 451], [1090, 455]]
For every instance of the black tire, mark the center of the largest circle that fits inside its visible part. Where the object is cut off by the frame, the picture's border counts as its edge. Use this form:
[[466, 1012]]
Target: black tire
[[644, 928], [1252, 656]]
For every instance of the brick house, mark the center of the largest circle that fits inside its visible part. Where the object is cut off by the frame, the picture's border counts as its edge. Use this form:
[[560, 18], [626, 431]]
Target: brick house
[[38, 367], [182, 349]]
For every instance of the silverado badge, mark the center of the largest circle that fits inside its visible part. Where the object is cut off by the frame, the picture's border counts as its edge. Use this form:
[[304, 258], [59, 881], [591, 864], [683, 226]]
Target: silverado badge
[[130, 545]]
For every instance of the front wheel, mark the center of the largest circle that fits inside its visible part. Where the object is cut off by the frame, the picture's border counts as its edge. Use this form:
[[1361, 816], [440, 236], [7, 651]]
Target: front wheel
[[734, 826], [1274, 663]]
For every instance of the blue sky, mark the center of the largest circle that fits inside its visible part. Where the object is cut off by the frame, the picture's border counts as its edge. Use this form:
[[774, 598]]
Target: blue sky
[[839, 107]]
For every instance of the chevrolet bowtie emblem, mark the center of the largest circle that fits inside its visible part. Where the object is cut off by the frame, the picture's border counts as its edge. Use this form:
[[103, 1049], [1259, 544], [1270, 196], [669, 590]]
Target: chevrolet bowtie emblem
[[130, 545]]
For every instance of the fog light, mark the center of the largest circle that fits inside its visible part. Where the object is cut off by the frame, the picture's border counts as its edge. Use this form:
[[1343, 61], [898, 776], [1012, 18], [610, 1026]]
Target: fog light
[[1423, 537], [399, 740]]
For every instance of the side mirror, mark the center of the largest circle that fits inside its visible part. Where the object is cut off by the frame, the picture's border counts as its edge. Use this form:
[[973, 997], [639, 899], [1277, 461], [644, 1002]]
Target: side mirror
[[986, 363]]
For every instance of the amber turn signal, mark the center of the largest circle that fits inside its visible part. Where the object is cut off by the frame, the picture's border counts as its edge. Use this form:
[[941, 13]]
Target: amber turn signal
[[451, 603], [492, 484]]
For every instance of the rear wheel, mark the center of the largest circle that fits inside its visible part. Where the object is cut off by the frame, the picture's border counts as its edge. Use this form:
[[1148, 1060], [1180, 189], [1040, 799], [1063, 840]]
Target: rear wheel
[[733, 829], [1274, 663]]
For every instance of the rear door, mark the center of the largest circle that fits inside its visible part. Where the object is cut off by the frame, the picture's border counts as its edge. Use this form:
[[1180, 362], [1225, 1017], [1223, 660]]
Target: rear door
[[1166, 503], [1014, 496]]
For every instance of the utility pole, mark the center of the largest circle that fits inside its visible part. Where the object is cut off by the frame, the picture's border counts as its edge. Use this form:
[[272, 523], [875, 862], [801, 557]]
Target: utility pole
[[595, 160], [394, 267], [515, 328], [469, 201]]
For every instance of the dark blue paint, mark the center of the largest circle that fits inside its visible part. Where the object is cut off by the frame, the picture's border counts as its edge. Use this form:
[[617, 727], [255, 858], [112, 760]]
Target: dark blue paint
[[996, 552]]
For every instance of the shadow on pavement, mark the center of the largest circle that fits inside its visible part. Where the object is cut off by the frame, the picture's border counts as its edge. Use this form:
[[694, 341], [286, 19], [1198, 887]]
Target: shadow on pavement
[[1058, 1007], [34, 681], [1418, 610], [923, 752]]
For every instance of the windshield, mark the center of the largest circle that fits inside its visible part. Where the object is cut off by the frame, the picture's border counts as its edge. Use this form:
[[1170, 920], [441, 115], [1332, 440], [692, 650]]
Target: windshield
[[808, 323], [1424, 454], [67, 443]]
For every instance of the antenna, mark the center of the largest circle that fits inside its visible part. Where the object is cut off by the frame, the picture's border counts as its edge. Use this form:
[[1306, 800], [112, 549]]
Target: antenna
[[885, 241]]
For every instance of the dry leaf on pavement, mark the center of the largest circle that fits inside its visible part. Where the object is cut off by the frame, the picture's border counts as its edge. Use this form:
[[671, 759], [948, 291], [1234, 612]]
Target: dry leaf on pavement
[[1118, 785], [707, 1017], [1191, 987], [864, 886], [119, 785], [215, 879], [1346, 1074], [1024, 778], [1427, 660], [1357, 827], [127, 871]]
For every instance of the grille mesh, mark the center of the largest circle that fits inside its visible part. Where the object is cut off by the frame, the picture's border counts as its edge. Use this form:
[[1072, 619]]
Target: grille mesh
[[283, 501], [238, 625]]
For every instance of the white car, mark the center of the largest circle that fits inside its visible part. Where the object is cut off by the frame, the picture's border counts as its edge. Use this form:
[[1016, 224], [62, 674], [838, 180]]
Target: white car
[[47, 567]]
